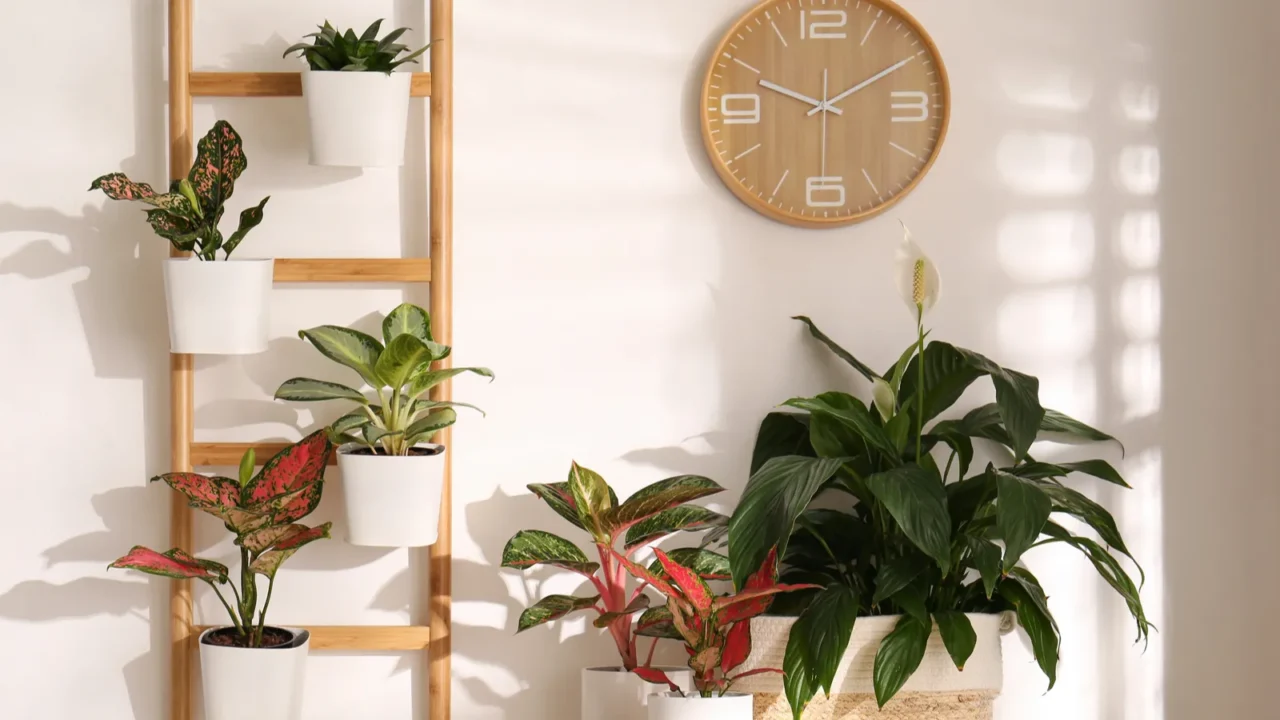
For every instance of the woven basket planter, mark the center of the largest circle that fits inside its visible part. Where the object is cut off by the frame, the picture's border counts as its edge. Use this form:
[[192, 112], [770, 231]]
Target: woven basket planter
[[937, 691]]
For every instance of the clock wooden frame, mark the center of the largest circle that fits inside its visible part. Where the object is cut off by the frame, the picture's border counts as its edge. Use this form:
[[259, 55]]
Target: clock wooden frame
[[755, 201]]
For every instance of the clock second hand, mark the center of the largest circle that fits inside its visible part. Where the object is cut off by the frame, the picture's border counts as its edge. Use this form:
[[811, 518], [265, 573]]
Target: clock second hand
[[824, 123]]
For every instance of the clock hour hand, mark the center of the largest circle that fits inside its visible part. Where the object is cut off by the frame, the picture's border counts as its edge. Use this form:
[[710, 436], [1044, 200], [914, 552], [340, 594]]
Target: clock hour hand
[[887, 71], [817, 104]]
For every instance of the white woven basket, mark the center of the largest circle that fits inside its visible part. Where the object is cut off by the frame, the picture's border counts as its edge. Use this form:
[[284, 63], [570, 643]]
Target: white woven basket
[[937, 691]]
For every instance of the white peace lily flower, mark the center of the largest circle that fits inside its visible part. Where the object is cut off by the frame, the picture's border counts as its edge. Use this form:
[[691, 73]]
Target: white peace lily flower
[[884, 397], [918, 279]]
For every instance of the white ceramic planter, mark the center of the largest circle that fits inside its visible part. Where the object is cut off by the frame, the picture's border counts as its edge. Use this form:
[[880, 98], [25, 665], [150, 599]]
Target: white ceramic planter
[[936, 690], [274, 677], [392, 501], [218, 307], [358, 119], [611, 693], [668, 706]]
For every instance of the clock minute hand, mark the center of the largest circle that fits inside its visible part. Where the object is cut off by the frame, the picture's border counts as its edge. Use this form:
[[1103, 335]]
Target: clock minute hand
[[887, 71], [817, 104]]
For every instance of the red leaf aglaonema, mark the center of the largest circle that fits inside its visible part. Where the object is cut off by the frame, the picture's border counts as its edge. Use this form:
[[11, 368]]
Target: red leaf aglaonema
[[716, 629], [262, 510], [651, 514]]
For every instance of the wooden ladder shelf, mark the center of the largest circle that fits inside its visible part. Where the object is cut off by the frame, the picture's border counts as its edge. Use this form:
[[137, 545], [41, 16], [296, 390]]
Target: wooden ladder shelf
[[186, 454]]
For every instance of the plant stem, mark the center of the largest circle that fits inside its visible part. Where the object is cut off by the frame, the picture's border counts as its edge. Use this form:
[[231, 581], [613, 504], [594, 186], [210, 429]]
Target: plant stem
[[648, 661], [262, 616], [234, 619], [920, 380], [249, 596]]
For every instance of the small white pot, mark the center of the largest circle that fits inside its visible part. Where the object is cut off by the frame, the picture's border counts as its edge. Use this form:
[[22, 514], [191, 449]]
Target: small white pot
[[668, 706], [392, 501], [218, 307], [358, 119], [611, 693], [242, 683]]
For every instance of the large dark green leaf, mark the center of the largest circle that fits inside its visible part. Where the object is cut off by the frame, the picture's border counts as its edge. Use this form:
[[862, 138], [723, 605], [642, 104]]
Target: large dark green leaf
[[553, 607], [592, 499], [899, 657], [535, 547], [1056, 422], [1071, 502], [781, 433], [829, 436], [250, 218], [850, 412], [896, 574], [947, 374], [1017, 397], [1100, 469], [640, 603], [981, 422], [844, 534], [773, 499], [558, 496], [967, 497], [656, 622], [1028, 600], [962, 446], [840, 352], [687, 518], [1022, 509], [957, 635], [1110, 570], [916, 499], [352, 348], [986, 559], [799, 681], [660, 496], [823, 631], [912, 599], [707, 564]]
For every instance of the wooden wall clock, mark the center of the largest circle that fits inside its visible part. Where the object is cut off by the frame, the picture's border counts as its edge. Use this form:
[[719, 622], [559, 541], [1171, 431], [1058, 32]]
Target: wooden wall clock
[[821, 113]]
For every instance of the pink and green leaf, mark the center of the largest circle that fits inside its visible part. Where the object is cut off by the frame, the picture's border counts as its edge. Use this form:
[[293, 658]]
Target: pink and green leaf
[[535, 547], [655, 676], [709, 565], [249, 219], [656, 622], [558, 496], [606, 619], [553, 607], [118, 186], [687, 518], [660, 496], [750, 603], [211, 493], [290, 507], [686, 622], [220, 160], [691, 586], [639, 572], [269, 562], [297, 466], [705, 661], [259, 541], [175, 563], [737, 646]]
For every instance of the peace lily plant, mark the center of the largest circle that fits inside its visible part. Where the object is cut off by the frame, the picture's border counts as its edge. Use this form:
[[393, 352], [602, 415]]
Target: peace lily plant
[[898, 531]]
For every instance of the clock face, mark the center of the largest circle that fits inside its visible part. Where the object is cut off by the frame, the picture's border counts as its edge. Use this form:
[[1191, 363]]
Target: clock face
[[824, 112]]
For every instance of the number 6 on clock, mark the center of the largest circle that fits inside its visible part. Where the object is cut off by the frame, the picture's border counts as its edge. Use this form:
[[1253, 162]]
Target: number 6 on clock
[[824, 192]]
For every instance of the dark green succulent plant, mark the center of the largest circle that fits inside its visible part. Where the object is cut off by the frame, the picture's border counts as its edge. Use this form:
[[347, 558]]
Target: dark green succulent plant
[[332, 49]]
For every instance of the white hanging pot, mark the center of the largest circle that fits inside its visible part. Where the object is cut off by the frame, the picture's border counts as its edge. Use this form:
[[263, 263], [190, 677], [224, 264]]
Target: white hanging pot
[[936, 690], [218, 307], [358, 119], [612, 693], [669, 706], [264, 682], [392, 501]]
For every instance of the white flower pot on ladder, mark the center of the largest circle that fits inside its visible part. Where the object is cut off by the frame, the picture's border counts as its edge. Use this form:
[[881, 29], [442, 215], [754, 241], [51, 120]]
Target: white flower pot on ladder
[[218, 307], [240, 683], [612, 693], [357, 119], [669, 706], [937, 690], [392, 501]]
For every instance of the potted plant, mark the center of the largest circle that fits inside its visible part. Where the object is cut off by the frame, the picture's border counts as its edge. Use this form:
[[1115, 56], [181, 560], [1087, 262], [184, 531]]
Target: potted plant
[[716, 631], [392, 474], [263, 511], [925, 555], [216, 308], [357, 105], [651, 514]]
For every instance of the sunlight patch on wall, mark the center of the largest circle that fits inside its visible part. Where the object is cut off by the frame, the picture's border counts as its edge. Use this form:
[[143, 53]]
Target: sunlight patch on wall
[[1057, 89], [1046, 163], [1047, 247], [1139, 240], [1138, 170], [1139, 380], [1140, 102]]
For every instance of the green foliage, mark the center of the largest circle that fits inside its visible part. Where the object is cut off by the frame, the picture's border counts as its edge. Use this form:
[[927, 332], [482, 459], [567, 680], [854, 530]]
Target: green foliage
[[900, 532], [587, 502], [188, 215], [333, 49], [400, 374]]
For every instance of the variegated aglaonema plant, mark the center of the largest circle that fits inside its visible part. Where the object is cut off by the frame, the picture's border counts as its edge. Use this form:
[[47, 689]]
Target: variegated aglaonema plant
[[188, 215], [401, 375], [263, 511], [716, 629], [651, 514]]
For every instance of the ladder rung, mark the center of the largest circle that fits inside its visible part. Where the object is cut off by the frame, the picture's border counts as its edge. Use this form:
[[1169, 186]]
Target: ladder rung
[[229, 454], [364, 637], [331, 270], [272, 84]]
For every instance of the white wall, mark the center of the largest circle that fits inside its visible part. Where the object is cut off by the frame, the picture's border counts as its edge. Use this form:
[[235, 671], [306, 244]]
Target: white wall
[[1097, 214]]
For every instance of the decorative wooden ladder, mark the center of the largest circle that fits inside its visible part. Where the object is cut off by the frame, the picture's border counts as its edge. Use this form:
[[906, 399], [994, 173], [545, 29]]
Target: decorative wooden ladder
[[184, 85]]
